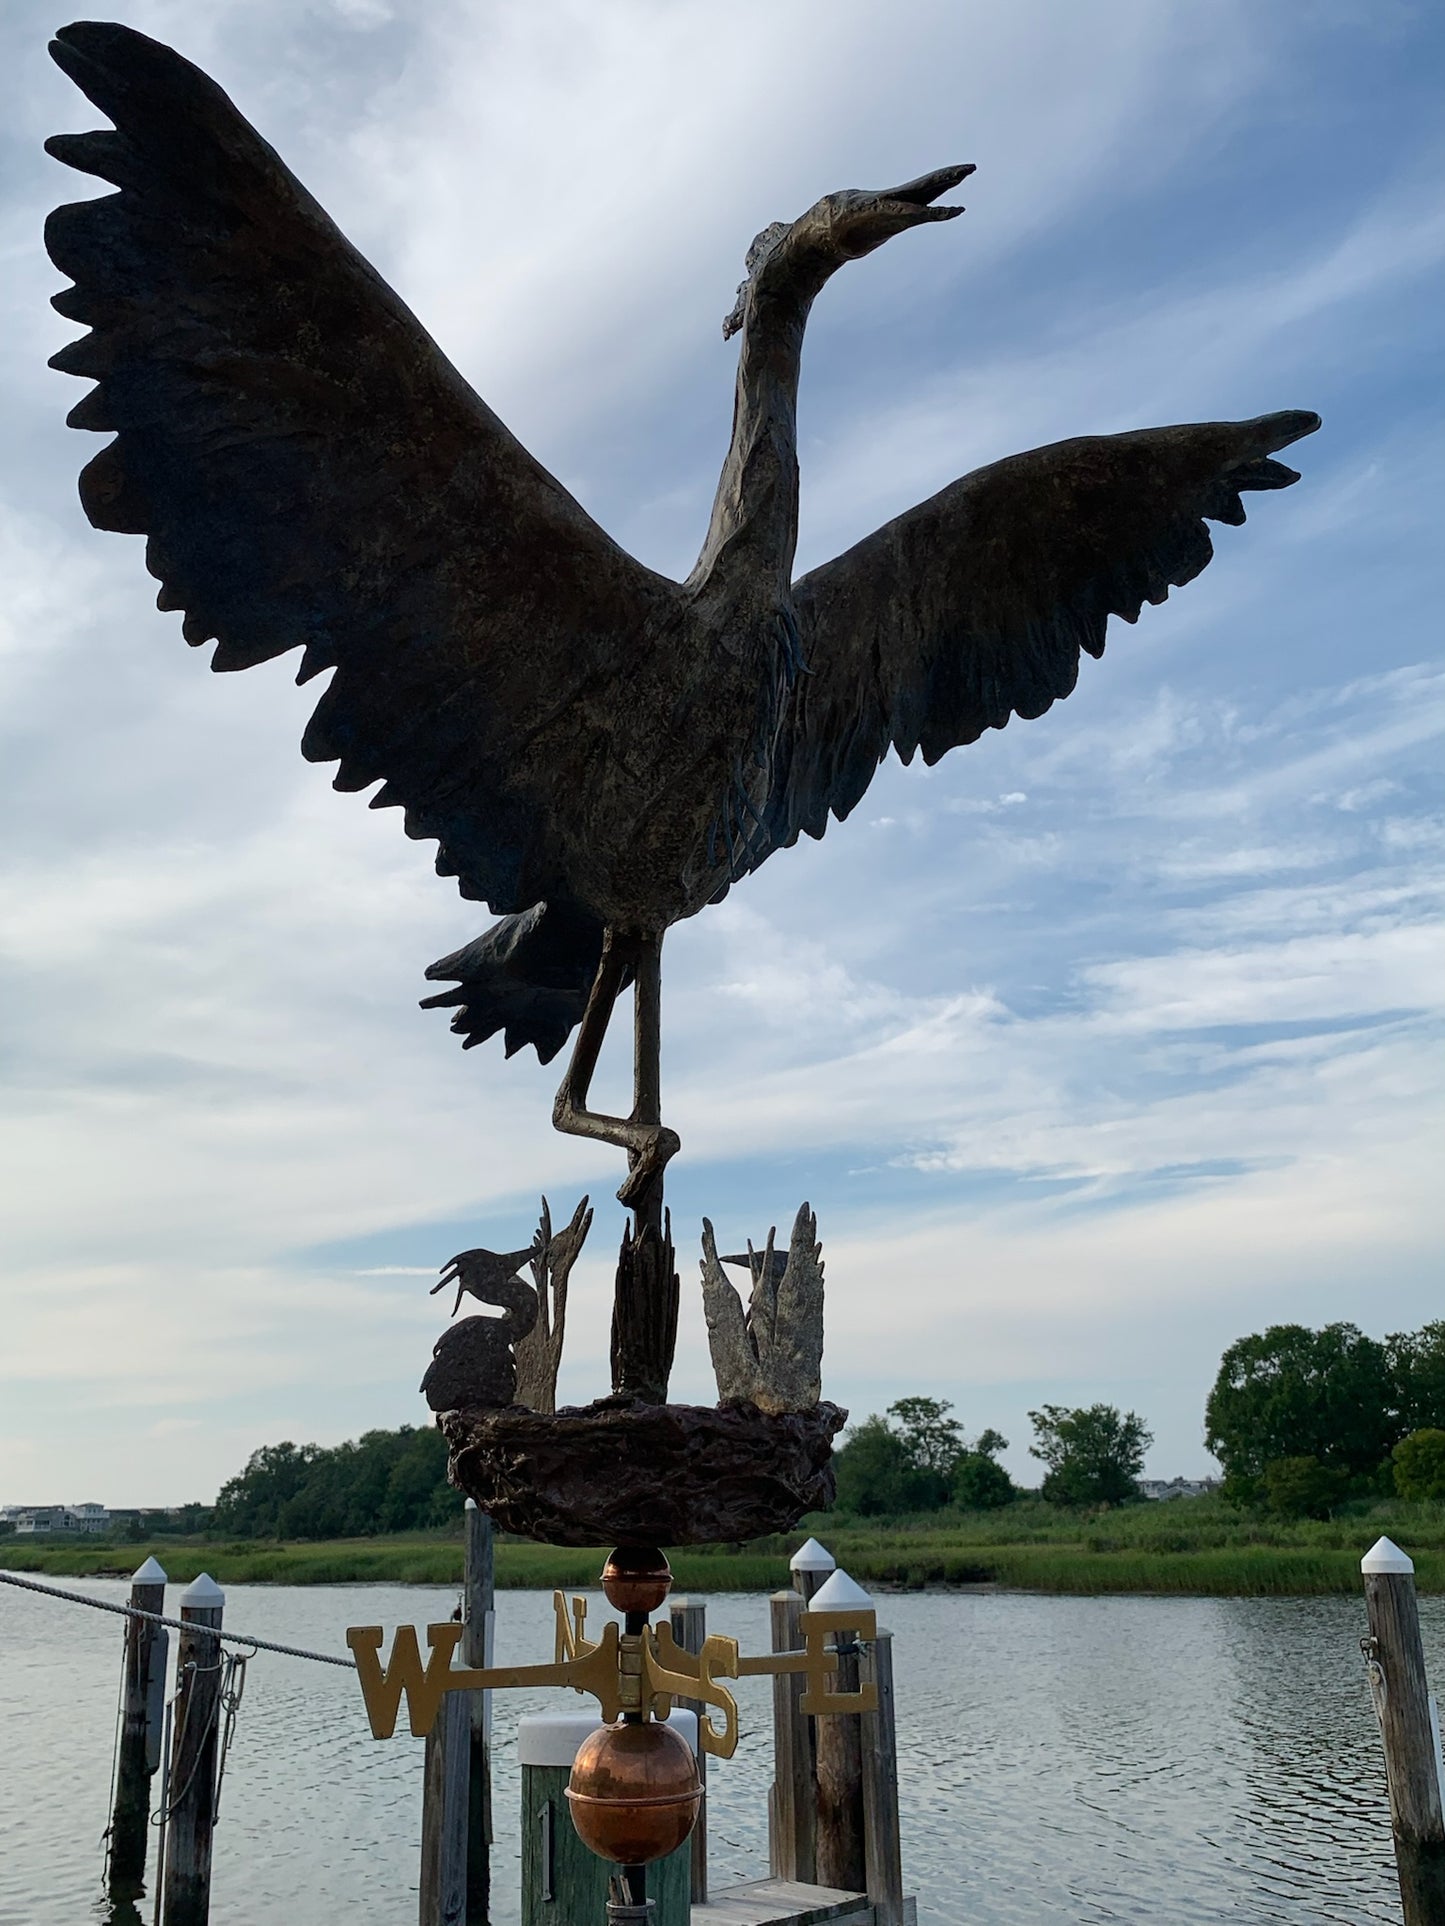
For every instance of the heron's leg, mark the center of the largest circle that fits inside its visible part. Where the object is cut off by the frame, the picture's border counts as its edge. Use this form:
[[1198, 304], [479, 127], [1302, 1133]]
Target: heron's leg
[[645, 1298], [641, 1135], [663, 1144]]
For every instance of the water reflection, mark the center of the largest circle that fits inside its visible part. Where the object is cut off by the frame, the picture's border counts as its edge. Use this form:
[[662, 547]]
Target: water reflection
[[1064, 1762]]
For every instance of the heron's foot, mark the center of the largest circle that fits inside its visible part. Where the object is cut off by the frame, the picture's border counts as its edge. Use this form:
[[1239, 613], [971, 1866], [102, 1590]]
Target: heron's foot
[[649, 1146], [659, 1147]]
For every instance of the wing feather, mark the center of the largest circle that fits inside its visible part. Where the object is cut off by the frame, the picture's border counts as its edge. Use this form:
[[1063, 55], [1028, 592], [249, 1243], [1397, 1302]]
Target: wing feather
[[976, 605], [311, 472]]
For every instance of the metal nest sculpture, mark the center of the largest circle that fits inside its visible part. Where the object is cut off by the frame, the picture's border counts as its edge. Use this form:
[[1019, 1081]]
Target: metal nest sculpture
[[597, 751]]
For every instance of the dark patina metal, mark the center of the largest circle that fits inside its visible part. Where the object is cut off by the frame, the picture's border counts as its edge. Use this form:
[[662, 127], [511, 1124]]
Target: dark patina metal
[[597, 751], [617, 1473]]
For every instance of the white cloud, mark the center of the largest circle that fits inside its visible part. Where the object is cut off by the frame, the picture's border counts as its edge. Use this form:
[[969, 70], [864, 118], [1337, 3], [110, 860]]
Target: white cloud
[[1156, 973]]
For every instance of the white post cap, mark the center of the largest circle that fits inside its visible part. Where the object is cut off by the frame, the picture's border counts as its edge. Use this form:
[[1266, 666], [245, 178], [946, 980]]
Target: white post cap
[[203, 1594], [1385, 1556], [555, 1738], [150, 1573], [470, 1505], [840, 1594], [812, 1557]]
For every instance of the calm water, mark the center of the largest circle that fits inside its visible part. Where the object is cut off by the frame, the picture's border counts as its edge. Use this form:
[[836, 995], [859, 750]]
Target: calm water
[[1063, 1761]]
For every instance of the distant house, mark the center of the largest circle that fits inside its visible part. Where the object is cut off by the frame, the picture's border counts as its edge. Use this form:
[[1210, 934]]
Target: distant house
[[1159, 1488], [46, 1518], [57, 1518]]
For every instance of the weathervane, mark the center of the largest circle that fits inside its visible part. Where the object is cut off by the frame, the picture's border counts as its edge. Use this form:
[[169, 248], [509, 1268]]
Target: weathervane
[[598, 751], [634, 1789], [626, 1672]]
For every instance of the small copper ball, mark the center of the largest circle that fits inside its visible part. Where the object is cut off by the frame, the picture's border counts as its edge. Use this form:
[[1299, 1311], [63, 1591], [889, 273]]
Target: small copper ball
[[634, 1792], [636, 1579]]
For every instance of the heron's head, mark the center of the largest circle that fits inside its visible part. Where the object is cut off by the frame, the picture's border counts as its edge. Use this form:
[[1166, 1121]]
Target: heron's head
[[843, 227]]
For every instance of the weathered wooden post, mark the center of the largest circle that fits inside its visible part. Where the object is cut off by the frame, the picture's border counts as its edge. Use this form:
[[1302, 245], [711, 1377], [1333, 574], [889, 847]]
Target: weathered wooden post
[[445, 1812], [689, 1628], [793, 1795], [883, 1854], [840, 1857], [1401, 1694], [143, 1689], [478, 1618], [456, 1805], [186, 1898], [812, 1565]]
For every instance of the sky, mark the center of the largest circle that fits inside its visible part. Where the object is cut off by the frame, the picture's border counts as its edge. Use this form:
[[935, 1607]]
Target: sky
[[1112, 1038]]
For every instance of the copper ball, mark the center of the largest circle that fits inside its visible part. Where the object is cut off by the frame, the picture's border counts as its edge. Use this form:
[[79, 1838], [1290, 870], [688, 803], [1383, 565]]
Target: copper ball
[[636, 1579], [634, 1792]]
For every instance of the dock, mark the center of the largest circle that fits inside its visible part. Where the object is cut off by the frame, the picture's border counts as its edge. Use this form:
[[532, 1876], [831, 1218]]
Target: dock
[[787, 1902]]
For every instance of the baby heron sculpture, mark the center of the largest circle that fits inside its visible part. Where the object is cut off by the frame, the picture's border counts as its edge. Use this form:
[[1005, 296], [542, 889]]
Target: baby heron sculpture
[[598, 751]]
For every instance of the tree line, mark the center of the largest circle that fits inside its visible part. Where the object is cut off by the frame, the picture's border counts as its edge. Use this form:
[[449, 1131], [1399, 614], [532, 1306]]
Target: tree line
[[916, 1459], [1300, 1420], [382, 1481]]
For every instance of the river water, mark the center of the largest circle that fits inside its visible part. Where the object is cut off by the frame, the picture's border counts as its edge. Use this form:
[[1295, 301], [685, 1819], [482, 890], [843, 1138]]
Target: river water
[[1063, 1761]]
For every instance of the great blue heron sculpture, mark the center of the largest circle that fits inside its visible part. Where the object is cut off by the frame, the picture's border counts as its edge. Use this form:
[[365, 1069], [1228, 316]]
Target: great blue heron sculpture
[[597, 750]]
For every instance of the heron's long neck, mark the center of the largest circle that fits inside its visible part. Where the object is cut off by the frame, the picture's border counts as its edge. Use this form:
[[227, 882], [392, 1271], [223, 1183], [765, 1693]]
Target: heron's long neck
[[518, 1303], [754, 527]]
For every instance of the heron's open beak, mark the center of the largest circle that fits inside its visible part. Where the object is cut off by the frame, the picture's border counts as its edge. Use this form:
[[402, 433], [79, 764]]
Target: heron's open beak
[[922, 193]]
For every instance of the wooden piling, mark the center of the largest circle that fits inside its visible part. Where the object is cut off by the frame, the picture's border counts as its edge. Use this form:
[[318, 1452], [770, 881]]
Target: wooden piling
[[186, 1896], [456, 1803], [1402, 1704], [878, 1733], [839, 1854], [792, 1798], [812, 1565], [138, 1751], [478, 1617], [793, 1795], [445, 1811], [689, 1628]]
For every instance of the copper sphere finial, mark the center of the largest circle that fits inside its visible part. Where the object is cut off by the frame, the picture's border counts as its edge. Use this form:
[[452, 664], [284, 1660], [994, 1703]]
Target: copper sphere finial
[[636, 1578], [634, 1792]]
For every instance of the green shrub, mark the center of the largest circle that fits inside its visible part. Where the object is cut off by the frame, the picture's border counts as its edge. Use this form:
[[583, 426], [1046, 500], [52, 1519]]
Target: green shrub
[[872, 1470], [1302, 1487], [980, 1483], [1420, 1465], [1094, 1453]]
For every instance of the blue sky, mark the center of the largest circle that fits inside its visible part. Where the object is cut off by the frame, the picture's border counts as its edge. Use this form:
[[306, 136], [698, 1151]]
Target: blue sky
[[1111, 1038]]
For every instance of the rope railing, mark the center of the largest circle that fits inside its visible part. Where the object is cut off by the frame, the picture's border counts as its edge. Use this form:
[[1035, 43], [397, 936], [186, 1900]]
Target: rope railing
[[159, 1618]]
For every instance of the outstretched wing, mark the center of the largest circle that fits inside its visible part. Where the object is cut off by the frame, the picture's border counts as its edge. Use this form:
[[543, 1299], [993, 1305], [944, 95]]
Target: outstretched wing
[[312, 472], [974, 606]]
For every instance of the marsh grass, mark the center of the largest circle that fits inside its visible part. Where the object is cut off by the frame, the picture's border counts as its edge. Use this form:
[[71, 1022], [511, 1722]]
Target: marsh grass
[[405, 1559], [1193, 1545]]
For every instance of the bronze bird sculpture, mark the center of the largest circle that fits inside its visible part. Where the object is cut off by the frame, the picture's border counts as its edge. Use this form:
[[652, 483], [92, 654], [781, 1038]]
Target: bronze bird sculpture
[[474, 1362], [485, 1274], [771, 1262], [597, 750]]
